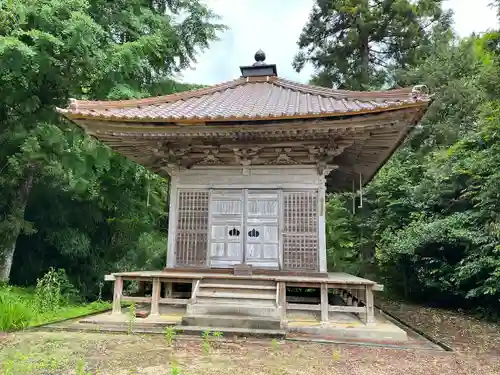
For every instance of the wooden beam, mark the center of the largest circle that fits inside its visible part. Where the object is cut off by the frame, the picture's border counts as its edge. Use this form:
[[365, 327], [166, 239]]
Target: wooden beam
[[136, 299], [173, 301], [350, 309], [303, 307]]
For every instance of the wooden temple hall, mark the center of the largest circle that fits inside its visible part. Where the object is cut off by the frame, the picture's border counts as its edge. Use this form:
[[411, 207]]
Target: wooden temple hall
[[250, 162]]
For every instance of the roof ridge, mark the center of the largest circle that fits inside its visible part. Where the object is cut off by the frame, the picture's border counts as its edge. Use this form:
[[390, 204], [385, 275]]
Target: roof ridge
[[343, 94], [91, 104]]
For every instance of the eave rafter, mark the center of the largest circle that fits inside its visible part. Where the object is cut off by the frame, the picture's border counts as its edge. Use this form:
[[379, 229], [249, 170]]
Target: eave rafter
[[349, 146]]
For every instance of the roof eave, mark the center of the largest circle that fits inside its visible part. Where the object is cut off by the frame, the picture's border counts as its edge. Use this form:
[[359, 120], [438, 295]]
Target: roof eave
[[189, 121]]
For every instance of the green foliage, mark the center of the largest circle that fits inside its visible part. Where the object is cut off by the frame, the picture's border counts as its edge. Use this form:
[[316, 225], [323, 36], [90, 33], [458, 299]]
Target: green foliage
[[170, 333], [21, 308], [431, 213], [53, 290], [19, 363], [275, 345], [205, 345], [357, 45], [15, 311], [217, 338], [65, 199]]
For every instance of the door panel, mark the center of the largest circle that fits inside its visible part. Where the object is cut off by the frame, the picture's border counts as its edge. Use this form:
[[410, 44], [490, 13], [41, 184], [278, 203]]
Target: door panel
[[261, 229], [226, 235]]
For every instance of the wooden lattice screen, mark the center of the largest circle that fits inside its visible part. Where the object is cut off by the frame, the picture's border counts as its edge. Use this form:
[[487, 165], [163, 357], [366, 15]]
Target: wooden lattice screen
[[300, 231], [192, 229]]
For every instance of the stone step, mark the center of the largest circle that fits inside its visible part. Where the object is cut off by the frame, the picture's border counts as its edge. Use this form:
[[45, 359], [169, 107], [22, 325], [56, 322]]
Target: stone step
[[237, 301], [238, 286], [227, 331], [240, 281], [235, 295], [232, 321], [232, 308], [188, 330]]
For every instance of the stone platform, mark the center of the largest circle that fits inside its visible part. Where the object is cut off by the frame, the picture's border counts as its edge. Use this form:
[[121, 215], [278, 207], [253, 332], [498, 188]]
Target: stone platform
[[267, 303], [339, 326]]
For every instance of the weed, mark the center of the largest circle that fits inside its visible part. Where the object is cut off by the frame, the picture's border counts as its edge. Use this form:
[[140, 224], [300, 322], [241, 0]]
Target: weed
[[131, 318], [217, 338], [170, 333], [80, 368], [336, 354], [205, 335], [21, 363], [175, 369], [275, 345]]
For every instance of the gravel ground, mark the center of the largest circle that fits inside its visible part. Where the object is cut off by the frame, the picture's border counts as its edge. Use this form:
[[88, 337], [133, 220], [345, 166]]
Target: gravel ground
[[63, 352]]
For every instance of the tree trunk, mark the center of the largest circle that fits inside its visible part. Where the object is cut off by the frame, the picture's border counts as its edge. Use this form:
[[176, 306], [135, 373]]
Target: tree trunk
[[8, 245], [364, 35], [365, 61]]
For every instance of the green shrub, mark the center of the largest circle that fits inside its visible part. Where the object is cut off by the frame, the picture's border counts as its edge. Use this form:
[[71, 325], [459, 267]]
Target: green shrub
[[53, 290]]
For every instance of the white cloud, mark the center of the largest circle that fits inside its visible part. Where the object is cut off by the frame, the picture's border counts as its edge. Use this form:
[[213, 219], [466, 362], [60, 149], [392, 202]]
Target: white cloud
[[275, 25], [472, 16]]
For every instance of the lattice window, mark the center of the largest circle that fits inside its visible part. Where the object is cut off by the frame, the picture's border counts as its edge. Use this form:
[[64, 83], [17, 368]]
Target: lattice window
[[192, 228], [300, 230]]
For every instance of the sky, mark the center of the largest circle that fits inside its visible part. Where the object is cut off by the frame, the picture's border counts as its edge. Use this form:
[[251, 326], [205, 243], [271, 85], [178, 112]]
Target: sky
[[275, 25]]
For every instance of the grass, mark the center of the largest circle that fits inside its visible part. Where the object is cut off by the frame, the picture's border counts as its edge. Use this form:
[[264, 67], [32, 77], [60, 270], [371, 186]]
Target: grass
[[18, 309], [26, 307]]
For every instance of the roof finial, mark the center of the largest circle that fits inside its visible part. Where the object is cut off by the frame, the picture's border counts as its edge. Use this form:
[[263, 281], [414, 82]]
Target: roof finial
[[260, 56], [259, 68]]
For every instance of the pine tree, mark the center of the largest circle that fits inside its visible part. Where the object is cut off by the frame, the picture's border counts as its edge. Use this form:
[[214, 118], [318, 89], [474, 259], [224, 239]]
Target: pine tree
[[357, 44]]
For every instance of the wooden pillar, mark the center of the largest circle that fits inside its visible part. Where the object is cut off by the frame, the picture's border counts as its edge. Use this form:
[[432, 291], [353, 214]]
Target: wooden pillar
[[194, 290], [117, 296], [349, 297], [356, 297], [321, 223], [282, 302], [142, 288], [168, 289], [172, 218], [369, 308], [324, 303], [155, 297]]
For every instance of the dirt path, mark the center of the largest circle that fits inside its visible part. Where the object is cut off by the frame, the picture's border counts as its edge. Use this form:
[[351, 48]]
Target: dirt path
[[462, 332], [61, 353]]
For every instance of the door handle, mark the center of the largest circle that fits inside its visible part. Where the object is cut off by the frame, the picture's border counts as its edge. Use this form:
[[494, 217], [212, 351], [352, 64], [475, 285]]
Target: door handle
[[253, 233]]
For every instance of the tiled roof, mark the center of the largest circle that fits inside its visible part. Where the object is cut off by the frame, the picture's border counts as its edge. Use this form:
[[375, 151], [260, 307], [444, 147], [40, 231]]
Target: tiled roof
[[253, 98]]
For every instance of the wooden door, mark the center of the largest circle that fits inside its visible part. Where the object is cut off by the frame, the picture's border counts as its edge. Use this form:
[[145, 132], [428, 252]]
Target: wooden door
[[226, 228], [262, 229]]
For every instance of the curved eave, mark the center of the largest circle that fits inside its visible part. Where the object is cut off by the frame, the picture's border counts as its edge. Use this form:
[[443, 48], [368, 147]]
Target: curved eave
[[201, 120], [332, 181]]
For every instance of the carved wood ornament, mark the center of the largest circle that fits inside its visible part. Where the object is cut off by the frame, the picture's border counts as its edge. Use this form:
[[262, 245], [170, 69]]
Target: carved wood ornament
[[173, 158]]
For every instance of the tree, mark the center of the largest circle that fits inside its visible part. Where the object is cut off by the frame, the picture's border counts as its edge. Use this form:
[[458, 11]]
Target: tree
[[431, 213], [51, 50], [356, 45]]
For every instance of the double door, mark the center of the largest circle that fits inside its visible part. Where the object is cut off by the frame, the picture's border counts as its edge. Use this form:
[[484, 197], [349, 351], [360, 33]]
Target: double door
[[244, 228]]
